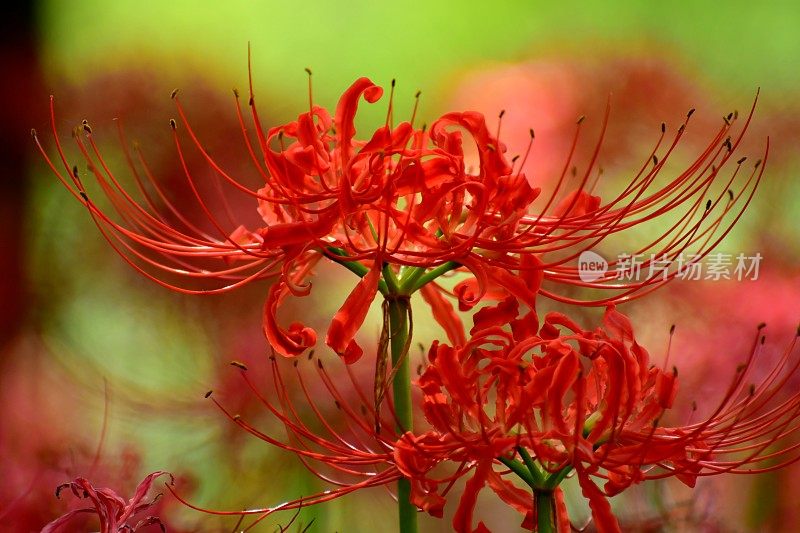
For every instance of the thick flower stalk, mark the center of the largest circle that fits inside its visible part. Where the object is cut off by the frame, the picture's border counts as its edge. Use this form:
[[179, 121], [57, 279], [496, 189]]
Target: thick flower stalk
[[546, 401]]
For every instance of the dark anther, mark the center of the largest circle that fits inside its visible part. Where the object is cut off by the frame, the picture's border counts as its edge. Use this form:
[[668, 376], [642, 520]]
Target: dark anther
[[531, 133], [730, 194], [690, 113], [308, 71], [581, 119], [239, 365], [174, 93], [172, 123], [762, 326], [236, 92], [663, 127], [742, 160], [208, 394]]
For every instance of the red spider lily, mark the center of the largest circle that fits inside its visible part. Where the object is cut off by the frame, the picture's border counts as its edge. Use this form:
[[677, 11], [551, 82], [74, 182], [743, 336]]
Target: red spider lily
[[401, 202], [359, 449], [114, 512], [561, 398], [566, 399]]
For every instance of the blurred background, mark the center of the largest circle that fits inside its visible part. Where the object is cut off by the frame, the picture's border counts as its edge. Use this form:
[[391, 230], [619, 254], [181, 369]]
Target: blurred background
[[102, 373]]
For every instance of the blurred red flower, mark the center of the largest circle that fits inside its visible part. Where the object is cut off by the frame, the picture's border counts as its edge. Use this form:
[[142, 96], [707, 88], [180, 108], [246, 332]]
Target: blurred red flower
[[116, 515]]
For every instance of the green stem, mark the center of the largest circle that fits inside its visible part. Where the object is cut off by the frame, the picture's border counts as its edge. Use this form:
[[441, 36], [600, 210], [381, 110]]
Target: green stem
[[519, 470], [414, 283], [390, 278], [554, 480], [544, 502], [401, 387]]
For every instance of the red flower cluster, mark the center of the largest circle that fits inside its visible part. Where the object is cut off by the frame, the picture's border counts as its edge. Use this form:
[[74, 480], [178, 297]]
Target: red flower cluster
[[538, 402], [566, 399], [407, 205], [406, 197]]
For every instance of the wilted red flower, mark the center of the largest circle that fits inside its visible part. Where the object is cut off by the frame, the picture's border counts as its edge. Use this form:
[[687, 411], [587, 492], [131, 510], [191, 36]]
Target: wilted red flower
[[565, 399], [116, 515], [399, 209]]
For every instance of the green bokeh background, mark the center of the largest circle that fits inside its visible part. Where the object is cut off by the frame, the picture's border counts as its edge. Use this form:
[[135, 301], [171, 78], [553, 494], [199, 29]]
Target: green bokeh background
[[158, 350]]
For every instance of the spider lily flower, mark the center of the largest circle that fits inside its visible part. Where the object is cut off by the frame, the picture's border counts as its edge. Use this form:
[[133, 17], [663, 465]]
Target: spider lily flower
[[116, 515], [359, 449], [569, 401], [399, 208]]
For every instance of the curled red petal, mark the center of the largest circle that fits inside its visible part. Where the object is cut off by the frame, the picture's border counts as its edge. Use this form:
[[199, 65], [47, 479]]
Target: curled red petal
[[348, 319], [519, 499], [604, 519], [562, 516], [346, 112], [496, 315], [291, 342], [462, 521], [444, 314], [294, 233], [617, 324]]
